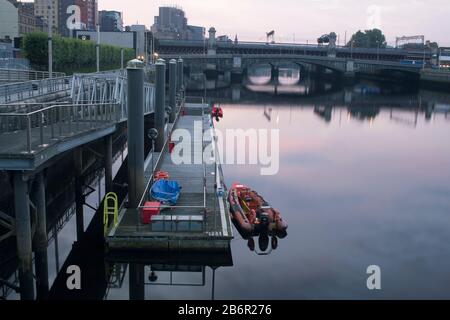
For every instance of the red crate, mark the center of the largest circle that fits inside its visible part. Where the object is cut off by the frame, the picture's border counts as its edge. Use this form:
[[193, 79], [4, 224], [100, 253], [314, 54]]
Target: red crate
[[152, 209]]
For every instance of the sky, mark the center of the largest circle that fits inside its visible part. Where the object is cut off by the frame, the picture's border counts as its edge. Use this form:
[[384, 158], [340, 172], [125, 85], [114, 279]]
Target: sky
[[301, 20]]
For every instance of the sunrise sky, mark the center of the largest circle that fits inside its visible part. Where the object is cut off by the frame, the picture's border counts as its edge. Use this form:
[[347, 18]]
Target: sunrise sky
[[302, 19]]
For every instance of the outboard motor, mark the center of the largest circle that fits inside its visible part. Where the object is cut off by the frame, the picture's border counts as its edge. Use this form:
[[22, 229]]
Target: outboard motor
[[264, 220], [263, 242]]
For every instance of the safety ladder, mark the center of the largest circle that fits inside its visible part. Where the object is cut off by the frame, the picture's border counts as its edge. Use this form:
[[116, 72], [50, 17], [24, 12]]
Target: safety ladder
[[110, 207]]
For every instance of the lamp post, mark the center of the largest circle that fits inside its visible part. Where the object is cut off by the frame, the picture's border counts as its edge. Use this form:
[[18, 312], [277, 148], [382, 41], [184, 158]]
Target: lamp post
[[50, 38], [97, 47]]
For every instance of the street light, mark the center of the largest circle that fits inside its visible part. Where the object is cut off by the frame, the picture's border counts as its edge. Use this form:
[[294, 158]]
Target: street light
[[50, 38], [97, 48]]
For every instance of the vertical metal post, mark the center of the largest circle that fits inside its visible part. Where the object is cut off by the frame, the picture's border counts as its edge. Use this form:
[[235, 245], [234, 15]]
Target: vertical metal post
[[121, 58], [108, 164], [160, 103], [40, 237], [97, 47], [79, 197], [136, 281], [50, 38], [180, 74], [23, 236], [135, 71], [172, 88]]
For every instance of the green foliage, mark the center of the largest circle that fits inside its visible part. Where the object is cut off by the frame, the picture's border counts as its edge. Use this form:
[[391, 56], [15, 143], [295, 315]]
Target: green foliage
[[71, 55], [368, 39]]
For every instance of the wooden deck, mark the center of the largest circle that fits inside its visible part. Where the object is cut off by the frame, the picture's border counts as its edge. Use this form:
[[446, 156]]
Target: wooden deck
[[200, 221]]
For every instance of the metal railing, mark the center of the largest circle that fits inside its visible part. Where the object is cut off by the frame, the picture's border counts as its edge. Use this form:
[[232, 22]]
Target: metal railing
[[13, 92], [52, 123], [19, 75], [146, 196]]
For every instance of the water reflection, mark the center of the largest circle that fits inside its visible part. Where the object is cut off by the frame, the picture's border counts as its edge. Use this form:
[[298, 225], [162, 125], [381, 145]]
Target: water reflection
[[363, 180], [154, 274]]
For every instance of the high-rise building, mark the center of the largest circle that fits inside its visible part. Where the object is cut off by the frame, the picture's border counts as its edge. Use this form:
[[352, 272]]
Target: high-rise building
[[110, 21], [171, 23], [42, 8], [77, 15]]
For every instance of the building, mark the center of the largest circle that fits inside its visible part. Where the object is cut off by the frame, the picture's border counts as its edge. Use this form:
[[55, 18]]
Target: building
[[9, 20], [195, 33], [135, 38], [41, 9], [171, 24], [16, 19], [444, 58], [77, 15], [27, 19], [110, 21], [140, 35]]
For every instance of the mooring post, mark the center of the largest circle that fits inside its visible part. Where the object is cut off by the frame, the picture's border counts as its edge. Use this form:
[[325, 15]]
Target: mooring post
[[108, 164], [173, 89], [79, 196], [23, 236], [180, 75], [40, 237], [160, 103], [135, 71], [136, 281]]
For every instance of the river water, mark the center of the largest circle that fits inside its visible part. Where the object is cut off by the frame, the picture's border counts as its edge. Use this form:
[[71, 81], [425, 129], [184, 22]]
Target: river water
[[363, 180]]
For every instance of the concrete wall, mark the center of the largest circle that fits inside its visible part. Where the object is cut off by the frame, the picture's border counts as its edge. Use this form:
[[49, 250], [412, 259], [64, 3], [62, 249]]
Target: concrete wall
[[120, 39], [9, 20]]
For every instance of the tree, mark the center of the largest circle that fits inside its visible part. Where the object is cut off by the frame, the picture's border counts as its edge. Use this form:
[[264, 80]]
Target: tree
[[368, 39], [71, 55]]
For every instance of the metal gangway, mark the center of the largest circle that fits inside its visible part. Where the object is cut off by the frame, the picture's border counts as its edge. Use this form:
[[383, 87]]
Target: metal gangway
[[31, 133]]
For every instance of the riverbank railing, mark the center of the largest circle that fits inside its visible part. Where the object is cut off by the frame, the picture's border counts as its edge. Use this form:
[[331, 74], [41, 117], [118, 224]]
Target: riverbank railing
[[43, 127], [13, 92], [19, 75]]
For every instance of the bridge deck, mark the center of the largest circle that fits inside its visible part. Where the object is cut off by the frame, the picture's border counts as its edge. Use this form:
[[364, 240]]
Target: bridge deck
[[190, 225]]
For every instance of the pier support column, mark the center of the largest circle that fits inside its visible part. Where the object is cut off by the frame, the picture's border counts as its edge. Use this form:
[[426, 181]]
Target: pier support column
[[79, 196], [40, 238], [172, 89], [135, 129], [180, 70], [136, 281], [23, 236], [160, 106], [108, 164]]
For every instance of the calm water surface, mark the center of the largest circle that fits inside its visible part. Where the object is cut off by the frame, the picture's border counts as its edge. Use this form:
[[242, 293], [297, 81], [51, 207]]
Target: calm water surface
[[360, 183]]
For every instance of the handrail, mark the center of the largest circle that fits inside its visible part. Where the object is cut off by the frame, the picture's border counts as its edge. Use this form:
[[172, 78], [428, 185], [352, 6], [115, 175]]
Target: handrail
[[111, 196], [7, 74], [202, 207], [59, 121], [34, 88]]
